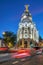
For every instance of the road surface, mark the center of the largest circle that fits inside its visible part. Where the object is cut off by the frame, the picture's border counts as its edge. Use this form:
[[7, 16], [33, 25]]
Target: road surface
[[34, 60], [5, 57]]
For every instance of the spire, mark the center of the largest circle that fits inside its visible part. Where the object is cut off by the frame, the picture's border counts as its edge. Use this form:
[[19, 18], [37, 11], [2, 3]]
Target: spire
[[26, 6]]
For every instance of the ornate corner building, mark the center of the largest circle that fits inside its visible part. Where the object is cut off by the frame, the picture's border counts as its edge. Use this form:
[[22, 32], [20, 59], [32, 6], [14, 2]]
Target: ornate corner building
[[27, 34]]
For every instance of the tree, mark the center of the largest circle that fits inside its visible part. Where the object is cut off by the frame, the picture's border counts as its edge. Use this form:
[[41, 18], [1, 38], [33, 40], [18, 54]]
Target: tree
[[40, 38], [9, 38]]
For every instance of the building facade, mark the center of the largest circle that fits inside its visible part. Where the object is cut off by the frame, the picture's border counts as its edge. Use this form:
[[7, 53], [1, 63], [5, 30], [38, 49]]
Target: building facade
[[27, 34], [2, 43]]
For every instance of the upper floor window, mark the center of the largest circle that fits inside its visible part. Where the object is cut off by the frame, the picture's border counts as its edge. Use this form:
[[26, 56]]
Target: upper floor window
[[22, 28], [26, 25], [29, 30]]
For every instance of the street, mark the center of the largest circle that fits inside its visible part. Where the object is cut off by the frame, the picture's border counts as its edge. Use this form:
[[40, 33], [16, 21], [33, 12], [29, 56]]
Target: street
[[34, 60], [5, 57]]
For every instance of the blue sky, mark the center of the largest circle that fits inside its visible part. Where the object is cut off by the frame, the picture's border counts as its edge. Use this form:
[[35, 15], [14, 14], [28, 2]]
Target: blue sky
[[11, 11]]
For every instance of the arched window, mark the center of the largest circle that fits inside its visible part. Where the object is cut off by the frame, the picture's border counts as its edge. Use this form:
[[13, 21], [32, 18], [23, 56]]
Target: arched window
[[29, 30]]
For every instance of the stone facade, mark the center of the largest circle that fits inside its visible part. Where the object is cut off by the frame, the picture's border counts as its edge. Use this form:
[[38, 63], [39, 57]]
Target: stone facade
[[2, 43], [27, 32]]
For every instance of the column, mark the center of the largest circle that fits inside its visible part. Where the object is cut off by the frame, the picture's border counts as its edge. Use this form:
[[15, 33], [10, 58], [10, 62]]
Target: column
[[22, 37], [23, 43], [28, 44]]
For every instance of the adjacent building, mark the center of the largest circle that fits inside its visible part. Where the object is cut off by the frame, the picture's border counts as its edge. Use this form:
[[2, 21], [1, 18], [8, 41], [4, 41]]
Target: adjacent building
[[2, 43]]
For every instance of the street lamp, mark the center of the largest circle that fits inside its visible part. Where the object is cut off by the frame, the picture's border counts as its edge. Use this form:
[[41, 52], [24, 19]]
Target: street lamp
[[3, 33]]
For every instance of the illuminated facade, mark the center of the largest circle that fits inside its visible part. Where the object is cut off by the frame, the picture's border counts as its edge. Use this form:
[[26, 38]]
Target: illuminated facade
[[27, 34]]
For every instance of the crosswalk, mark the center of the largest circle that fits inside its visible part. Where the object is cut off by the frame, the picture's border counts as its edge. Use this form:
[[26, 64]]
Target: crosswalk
[[23, 59], [15, 62]]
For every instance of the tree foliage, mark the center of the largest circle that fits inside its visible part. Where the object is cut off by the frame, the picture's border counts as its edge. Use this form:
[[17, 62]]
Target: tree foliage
[[9, 37], [40, 38]]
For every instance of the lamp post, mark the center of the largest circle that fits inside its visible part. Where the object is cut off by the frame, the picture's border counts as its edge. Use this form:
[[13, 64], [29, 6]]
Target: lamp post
[[3, 33]]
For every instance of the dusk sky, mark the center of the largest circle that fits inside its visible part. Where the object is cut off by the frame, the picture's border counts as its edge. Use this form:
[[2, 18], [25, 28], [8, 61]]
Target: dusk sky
[[11, 12]]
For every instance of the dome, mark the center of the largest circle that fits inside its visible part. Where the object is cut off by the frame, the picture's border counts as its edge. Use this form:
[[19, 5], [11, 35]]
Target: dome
[[26, 16]]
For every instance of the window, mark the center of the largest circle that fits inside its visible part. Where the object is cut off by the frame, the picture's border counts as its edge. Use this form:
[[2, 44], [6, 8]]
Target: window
[[22, 28], [26, 25], [29, 30], [25, 31], [26, 35]]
